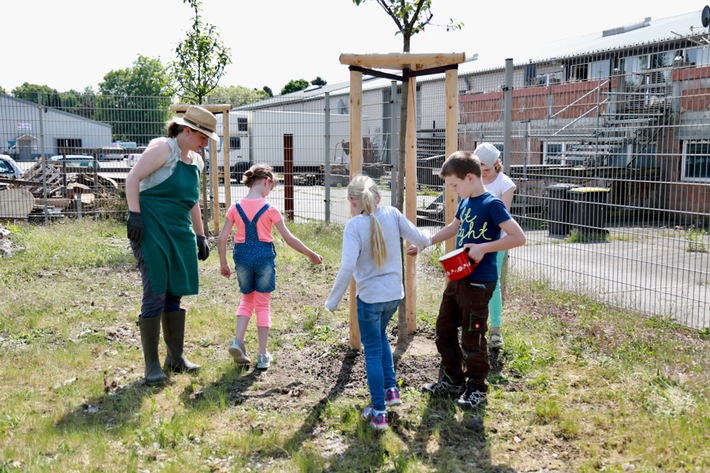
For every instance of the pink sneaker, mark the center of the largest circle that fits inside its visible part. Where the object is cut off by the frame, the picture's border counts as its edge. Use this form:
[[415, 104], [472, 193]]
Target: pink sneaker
[[378, 419], [392, 397]]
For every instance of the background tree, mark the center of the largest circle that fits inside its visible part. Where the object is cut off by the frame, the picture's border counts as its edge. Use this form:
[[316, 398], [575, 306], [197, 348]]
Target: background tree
[[410, 17], [236, 95], [42, 94], [268, 91], [201, 59], [318, 81], [72, 101], [79, 103], [294, 86], [2, 90], [136, 100]]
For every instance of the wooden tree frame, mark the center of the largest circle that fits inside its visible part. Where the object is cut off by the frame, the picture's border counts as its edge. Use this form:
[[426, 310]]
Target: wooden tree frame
[[410, 65]]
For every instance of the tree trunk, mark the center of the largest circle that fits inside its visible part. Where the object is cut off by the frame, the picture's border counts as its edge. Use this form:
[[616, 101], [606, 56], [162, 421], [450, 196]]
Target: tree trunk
[[402, 325]]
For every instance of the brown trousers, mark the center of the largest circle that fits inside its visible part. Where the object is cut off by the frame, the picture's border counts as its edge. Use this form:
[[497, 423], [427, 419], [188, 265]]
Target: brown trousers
[[465, 304]]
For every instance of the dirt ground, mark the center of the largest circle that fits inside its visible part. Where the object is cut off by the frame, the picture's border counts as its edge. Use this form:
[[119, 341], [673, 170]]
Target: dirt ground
[[299, 376]]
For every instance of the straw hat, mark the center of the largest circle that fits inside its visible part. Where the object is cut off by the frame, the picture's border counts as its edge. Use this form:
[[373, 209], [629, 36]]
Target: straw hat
[[199, 119]]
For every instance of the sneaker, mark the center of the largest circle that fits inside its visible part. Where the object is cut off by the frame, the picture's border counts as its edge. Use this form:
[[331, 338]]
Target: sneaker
[[378, 419], [392, 397], [496, 341], [239, 352], [263, 361], [443, 388], [471, 398]]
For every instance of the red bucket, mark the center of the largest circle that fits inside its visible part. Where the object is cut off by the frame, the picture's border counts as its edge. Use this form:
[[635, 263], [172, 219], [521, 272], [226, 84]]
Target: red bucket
[[457, 264]]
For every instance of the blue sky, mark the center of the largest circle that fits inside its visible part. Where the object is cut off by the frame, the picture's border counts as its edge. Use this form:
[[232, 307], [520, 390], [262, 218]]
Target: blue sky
[[274, 41]]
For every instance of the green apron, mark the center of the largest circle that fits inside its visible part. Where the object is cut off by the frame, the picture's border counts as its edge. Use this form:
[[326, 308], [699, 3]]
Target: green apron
[[169, 245]]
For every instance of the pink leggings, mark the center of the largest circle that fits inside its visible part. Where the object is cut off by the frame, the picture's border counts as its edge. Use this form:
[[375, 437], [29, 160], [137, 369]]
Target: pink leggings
[[259, 302]]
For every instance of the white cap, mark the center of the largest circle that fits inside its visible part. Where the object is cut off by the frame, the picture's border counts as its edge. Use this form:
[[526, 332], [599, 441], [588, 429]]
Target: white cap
[[487, 154]]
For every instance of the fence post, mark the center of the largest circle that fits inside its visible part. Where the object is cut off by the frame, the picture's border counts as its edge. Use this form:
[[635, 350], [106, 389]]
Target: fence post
[[43, 158], [326, 168], [288, 176]]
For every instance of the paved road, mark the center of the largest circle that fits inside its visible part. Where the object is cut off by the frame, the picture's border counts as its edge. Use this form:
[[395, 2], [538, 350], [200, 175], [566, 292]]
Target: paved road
[[640, 269]]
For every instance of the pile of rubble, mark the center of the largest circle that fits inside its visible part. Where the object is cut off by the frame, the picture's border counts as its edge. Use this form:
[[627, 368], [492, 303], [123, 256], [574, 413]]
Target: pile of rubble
[[64, 191]]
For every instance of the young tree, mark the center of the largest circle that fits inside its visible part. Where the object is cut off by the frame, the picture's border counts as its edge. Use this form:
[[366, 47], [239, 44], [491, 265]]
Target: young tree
[[410, 17], [201, 59]]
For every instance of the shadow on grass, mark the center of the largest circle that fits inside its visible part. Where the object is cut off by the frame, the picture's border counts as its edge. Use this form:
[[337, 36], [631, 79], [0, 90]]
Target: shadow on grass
[[114, 409], [316, 416], [445, 440], [229, 390]]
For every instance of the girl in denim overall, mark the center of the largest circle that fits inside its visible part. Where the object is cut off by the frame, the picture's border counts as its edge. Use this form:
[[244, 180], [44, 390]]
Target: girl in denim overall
[[254, 259]]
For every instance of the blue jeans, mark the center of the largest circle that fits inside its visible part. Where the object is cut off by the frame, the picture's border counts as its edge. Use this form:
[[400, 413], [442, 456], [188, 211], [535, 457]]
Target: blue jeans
[[379, 366]]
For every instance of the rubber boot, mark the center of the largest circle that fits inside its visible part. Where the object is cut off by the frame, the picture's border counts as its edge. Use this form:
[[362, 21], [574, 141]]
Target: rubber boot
[[150, 338], [174, 335]]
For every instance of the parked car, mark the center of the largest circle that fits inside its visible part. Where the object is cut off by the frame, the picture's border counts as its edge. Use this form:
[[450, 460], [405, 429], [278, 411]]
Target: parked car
[[9, 168], [76, 161], [111, 153], [60, 157]]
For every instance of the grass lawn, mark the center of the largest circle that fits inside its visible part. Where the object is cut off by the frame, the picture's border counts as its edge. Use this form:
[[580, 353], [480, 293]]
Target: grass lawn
[[577, 387]]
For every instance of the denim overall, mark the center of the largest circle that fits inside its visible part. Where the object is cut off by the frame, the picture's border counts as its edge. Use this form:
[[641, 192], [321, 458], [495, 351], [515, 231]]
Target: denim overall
[[254, 260]]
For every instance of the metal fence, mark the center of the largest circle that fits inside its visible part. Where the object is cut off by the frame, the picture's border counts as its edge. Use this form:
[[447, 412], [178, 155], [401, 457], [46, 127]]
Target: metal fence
[[612, 174]]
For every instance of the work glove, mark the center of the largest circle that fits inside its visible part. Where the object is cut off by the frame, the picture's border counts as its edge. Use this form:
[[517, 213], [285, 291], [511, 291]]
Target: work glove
[[203, 249], [134, 225]]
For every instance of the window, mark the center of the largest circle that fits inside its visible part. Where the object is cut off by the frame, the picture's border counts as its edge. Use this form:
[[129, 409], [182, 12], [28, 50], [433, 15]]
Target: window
[[600, 69], [553, 153], [235, 142], [579, 72], [696, 161], [530, 74], [66, 145], [549, 79], [241, 123], [697, 56]]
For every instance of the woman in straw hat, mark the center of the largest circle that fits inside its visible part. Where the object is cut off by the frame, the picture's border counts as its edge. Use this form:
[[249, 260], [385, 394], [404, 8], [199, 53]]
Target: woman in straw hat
[[166, 233]]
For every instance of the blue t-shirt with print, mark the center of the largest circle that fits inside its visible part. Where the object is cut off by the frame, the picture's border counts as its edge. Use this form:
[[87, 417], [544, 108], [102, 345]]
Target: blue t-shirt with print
[[480, 218]]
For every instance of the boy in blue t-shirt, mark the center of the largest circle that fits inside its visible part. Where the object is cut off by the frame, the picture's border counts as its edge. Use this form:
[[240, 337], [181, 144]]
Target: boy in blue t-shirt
[[477, 226]]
